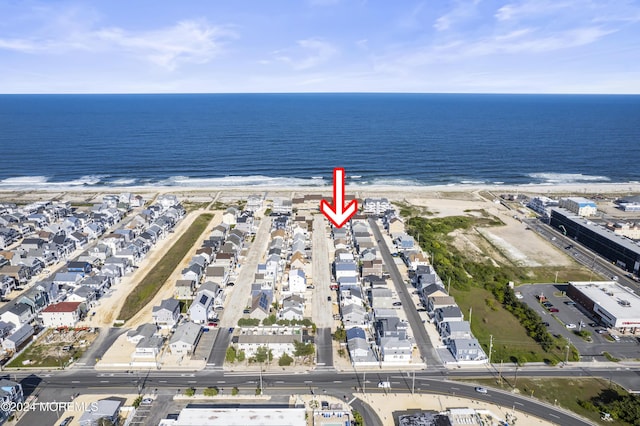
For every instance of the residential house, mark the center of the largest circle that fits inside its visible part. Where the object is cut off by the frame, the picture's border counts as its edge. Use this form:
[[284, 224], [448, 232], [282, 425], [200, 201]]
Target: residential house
[[230, 215], [184, 289], [18, 315], [166, 315], [395, 350], [446, 314], [292, 308], [201, 309], [84, 294], [455, 330], [435, 302], [359, 348], [353, 316], [63, 314], [376, 206], [21, 273], [278, 344], [142, 331], [297, 281], [218, 274], [466, 350], [298, 261], [185, 339], [18, 338], [261, 301], [372, 267], [380, 298], [107, 409], [10, 395]]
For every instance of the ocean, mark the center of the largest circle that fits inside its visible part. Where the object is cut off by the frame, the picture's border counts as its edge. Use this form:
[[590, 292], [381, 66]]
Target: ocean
[[71, 141]]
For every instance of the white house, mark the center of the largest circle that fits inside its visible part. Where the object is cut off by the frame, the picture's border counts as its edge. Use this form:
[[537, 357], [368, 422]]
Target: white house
[[63, 314], [185, 339], [201, 308], [297, 281], [167, 313], [278, 344], [395, 350]]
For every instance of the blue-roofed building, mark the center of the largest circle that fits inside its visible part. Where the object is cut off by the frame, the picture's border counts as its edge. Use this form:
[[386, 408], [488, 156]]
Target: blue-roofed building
[[580, 206]]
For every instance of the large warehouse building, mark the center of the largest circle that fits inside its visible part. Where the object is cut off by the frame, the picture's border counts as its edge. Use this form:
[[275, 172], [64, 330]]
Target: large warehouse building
[[617, 249], [616, 306]]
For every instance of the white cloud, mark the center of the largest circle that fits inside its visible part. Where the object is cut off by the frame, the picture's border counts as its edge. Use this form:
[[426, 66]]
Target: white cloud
[[188, 41], [462, 11], [311, 53]]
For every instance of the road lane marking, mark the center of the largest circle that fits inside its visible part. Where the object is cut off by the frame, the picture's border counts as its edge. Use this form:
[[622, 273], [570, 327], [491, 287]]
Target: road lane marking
[[554, 415], [104, 381], [519, 403]]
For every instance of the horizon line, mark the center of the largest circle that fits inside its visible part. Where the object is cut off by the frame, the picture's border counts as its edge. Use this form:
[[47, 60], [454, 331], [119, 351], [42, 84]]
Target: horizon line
[[318, 93]]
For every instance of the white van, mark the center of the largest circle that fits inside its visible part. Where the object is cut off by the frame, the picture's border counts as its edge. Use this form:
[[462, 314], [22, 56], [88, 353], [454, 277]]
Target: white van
[[384, 385]]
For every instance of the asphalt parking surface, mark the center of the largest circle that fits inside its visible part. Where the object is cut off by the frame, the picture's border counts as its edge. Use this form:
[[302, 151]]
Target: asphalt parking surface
[[628, 347]]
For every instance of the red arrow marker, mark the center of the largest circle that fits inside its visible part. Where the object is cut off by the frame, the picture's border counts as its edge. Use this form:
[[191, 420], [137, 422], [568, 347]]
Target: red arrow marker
[[338, 214]]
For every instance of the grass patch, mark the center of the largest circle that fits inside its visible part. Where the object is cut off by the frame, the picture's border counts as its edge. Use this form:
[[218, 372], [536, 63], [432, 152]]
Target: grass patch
[[149, 285], [610, 357], [49, 354], [510, 340], [554, 391]]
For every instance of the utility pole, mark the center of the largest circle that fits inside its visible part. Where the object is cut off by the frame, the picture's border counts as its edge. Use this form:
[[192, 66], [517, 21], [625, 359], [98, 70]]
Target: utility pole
[[500, 373], [364, 382], [261, 391], [556, 280], [515, 381], [470, 310], [566, 358], [449, 287], [490, 347]]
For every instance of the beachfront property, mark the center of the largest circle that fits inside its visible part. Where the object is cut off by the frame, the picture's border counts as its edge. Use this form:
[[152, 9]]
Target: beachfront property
[[627, 204], [579, 205], [376, 206], [542, 205]]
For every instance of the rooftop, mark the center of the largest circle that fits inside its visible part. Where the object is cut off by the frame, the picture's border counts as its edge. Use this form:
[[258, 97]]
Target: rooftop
[[614, 298], [62, 307]]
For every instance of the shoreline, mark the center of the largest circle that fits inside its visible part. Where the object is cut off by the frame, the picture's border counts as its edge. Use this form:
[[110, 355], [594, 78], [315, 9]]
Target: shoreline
[[541, 189]]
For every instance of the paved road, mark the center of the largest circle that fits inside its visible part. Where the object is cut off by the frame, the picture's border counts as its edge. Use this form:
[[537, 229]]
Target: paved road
[[60, 385], [420, 336], [321, 307], [603, 268], [103, 342], [240, 294]]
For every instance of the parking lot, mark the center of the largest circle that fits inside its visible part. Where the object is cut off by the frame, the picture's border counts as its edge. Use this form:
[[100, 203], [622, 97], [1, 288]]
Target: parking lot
[[627, 347]]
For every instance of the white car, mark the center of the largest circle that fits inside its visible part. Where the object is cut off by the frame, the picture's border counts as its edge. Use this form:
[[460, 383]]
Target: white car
[[571, 326], [147, 401], [481, 389]]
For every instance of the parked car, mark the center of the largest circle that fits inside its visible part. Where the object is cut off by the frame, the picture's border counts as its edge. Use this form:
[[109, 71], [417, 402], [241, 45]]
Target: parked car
[[593, 324], [615, 337], [397, 303], [554, 310], [601, 331], [480, 389], [66, 421], [570, 303], [571, 326], [546, 324], [147, 401]]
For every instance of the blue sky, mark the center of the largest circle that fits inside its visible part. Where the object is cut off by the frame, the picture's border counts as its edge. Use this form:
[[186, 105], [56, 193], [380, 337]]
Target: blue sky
[[469, 46]]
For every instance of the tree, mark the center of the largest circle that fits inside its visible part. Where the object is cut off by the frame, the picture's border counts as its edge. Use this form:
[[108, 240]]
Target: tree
[[137, 402], [357, 419], [285, 360], [235, 391], [302, 349], [231, 354], [263, 354], [340, 335], [189, 391], [210, 391], [240, 356]]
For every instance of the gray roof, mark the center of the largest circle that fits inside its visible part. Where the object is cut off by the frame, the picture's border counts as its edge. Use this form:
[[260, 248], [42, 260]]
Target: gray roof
[[170, 304], [186, 332], [269, 338], [145, 330]]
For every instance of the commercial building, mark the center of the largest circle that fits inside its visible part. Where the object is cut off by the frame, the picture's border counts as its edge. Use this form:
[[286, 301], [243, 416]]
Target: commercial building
[[274, 415], [614, 305], [619, 250], [579, 205]]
